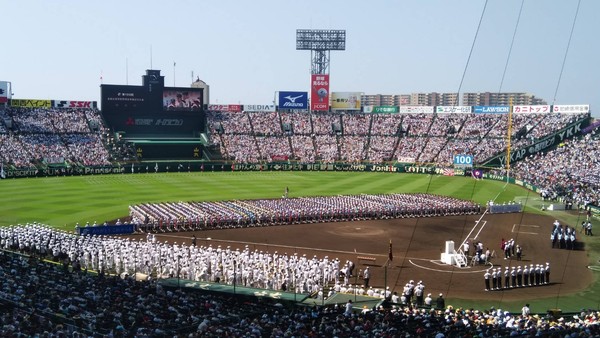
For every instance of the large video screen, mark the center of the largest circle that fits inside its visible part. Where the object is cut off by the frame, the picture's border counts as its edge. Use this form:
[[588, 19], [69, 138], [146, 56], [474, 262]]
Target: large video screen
[[144, 111], [182, 99]]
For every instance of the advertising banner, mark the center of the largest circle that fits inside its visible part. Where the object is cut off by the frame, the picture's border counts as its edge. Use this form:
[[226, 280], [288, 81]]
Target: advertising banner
[[571, 108], [319, 92], [27, 103], [231, 108], [453, 109], [385, 109], [532, 109], [3, 91], [416, 109], [276, 158], [406, 159], [259, 107], [150, 167], [122, 229], [345, 101], [293, 100], [491, 109], [74, 104]]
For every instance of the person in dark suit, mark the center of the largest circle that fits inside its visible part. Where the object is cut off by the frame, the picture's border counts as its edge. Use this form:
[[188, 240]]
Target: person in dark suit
[[440, 302]]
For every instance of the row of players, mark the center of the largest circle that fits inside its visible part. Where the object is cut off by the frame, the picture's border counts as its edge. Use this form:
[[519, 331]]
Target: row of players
[[516, 277]]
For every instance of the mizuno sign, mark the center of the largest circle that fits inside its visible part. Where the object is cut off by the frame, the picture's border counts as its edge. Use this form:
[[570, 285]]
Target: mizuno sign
[[293, 100]]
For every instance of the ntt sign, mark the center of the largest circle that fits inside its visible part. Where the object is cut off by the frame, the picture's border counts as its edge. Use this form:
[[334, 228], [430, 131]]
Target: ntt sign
[[293, 100]]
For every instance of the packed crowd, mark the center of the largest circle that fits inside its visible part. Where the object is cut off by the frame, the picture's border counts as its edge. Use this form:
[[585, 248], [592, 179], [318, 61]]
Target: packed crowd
[[59, 300], [47, 300], [57, 135], [245, 213], [376, 138], [49, 136], [571, 171]]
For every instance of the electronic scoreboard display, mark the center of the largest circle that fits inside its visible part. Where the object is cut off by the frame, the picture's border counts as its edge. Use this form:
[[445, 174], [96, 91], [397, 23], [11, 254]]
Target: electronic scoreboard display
[[153, 110]]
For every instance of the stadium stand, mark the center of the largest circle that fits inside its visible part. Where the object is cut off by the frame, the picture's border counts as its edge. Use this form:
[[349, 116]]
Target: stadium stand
[[46, 291], [572, 171], [40, 137], [376, 138]]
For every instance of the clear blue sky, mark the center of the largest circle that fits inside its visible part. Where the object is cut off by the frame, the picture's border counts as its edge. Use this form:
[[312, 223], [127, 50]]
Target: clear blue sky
[[245, 50]]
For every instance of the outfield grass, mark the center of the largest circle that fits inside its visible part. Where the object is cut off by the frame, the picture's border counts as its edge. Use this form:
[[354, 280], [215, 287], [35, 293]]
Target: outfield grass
[[63, 201]]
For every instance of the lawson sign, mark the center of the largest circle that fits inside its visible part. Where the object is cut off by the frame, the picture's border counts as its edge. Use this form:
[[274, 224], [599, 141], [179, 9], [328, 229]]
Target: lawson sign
[[293, 100], [491, 109]]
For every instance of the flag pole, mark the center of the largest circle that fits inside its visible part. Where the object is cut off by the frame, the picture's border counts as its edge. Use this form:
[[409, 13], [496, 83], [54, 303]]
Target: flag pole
[[385, 269], [385, 282], [390, 254]]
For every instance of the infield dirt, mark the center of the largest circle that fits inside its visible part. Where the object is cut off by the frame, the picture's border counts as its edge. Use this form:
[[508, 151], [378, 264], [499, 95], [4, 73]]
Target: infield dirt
[[417, 244]]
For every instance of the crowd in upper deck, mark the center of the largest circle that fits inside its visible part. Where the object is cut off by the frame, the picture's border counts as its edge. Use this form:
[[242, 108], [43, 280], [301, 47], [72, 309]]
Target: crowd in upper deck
[[45, 135], [358, 137]]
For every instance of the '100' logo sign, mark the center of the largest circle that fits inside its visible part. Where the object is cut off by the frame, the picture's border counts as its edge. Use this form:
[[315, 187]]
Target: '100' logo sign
[[463, 160]]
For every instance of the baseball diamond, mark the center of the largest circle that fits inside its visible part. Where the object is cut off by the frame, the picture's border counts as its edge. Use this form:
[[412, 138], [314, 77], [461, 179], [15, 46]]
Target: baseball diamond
[[417, 244]]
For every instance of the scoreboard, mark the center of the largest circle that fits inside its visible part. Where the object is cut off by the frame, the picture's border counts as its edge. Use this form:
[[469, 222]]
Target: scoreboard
[[153, 110]]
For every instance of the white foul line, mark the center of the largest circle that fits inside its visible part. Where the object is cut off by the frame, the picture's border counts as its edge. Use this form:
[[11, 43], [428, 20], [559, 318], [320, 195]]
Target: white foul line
[[473, 229], [484, 223]]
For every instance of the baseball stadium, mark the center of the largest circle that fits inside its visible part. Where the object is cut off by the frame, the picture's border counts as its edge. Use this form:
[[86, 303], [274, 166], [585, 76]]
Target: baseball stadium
[[157, 213], [279, 211]]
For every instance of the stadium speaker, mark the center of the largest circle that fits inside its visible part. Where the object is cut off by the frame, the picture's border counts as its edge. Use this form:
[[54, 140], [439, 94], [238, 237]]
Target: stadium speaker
[[399, 131], [521, 133], [94, 126], [287, 127], [8, 123]]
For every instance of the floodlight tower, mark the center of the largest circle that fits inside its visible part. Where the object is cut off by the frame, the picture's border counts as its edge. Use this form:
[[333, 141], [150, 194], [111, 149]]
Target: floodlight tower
[[320, 42]]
